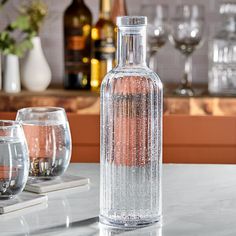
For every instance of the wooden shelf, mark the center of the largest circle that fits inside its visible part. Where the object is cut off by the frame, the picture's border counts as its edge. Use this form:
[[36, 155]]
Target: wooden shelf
[[89, 103], [196, 129]]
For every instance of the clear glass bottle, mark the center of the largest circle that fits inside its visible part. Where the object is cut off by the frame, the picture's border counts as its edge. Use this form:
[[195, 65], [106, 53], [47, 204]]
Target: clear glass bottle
[[222, 54], [131, 133]]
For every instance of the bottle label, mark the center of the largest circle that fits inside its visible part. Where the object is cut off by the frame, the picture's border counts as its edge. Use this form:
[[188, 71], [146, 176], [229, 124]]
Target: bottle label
[[104, 49], [75, 42], [76, 39]]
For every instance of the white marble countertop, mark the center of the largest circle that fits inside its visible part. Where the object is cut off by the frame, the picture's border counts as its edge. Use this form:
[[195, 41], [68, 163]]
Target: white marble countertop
[[197, 200]]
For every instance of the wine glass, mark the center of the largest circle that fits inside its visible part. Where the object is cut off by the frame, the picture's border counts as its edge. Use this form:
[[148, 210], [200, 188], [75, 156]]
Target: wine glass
[[49, 141], [186, 35], [14, 159], [157, 29]]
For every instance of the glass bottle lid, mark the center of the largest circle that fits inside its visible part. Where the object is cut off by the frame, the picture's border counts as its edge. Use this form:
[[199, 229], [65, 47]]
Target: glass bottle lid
[[131, 21]]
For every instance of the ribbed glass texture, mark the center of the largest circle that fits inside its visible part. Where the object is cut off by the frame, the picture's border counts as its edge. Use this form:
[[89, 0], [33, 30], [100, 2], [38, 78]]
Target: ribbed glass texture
[[131, 137]]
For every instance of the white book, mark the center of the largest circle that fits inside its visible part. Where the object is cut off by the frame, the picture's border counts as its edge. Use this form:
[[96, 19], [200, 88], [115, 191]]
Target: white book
[[22, 201], [64, 182]]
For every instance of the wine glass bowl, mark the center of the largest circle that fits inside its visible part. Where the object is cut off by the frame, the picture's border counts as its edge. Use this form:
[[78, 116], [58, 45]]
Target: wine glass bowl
[[157, 29], [186, 35], [14, 159], [49, 141]]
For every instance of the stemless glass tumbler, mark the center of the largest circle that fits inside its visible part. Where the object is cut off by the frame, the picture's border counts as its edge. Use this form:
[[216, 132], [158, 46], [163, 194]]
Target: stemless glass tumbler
[[49, 141], [131, 133], [14, 159]]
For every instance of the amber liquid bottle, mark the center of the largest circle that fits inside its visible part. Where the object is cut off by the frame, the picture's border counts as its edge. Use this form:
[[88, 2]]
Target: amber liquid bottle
[[77, 46], [103, 37], [118, 9]]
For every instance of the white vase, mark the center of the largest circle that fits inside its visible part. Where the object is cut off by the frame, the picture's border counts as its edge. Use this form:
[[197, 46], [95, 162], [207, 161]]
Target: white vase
[[35, 72], [11, 74]]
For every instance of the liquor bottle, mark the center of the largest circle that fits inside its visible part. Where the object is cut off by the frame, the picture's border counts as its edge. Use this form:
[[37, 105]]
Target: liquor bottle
[[103, 37], [118, 9], [77, 46], [222, 54], [131, 133]]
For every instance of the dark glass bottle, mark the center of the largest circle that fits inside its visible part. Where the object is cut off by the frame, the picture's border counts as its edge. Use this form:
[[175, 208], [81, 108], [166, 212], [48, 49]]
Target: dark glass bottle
[[77, 46]]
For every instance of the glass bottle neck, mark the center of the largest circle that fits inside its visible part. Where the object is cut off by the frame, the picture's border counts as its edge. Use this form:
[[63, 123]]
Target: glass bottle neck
[[131, 46], [105, 9]]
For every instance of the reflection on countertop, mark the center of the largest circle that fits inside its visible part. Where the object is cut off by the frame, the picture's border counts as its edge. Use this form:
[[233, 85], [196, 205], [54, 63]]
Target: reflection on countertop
[[197, 199]]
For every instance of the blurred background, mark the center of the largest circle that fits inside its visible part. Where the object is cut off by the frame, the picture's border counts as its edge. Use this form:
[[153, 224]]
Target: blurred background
[[169, 62]]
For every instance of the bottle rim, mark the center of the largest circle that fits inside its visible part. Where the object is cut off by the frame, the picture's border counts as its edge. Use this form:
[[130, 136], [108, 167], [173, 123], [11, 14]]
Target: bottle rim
[[41, 110], [6, 124]]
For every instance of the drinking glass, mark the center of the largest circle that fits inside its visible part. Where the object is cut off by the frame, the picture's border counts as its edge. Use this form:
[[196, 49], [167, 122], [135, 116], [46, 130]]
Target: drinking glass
[[14, 159], [186, 35], [157, 29], [49, 141]]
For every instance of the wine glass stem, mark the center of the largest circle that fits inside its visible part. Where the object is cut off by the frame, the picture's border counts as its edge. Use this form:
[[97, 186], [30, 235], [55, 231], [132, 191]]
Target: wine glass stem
[[187, 80]]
